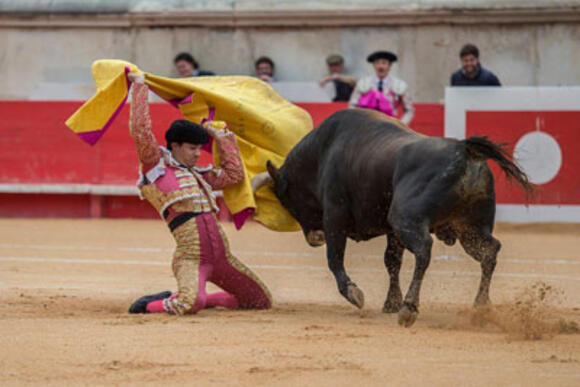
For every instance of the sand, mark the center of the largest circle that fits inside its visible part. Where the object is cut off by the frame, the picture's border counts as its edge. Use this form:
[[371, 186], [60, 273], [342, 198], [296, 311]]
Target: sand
[[65, 286]]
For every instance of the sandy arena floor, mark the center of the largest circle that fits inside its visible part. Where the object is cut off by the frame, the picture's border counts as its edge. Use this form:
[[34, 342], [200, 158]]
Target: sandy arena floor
[[66, 286]]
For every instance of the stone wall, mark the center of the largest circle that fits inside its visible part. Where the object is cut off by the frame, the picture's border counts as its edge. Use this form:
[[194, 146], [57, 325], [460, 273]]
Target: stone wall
[[532, 45]]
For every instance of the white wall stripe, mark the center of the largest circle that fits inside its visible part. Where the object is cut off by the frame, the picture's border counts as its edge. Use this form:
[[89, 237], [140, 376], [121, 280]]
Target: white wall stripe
[[276, 254], [288, 268]]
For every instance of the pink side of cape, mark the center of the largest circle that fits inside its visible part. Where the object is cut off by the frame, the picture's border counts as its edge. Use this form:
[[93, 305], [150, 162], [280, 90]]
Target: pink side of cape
[[92, 137]]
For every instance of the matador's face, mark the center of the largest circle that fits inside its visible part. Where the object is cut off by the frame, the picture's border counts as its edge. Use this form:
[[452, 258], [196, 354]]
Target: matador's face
[[186, 153]]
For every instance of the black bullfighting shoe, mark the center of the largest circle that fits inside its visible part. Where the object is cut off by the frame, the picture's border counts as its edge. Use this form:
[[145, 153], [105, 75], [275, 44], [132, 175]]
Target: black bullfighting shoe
[[140, 306]]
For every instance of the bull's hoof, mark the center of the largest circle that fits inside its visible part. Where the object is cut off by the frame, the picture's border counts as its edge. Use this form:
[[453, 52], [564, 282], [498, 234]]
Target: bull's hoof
[[481, 301], [407, 315], [316, 238], [391, 306], [355, 296], [393, 301]]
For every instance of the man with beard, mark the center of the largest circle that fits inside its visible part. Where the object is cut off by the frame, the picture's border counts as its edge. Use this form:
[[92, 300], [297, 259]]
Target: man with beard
[[265, 69], [471, 73]]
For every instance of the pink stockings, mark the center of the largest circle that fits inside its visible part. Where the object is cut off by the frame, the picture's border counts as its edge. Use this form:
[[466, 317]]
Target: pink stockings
[[212, 300]]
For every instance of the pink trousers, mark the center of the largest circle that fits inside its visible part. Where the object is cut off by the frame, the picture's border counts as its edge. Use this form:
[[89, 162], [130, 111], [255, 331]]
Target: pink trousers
[[203, 254]]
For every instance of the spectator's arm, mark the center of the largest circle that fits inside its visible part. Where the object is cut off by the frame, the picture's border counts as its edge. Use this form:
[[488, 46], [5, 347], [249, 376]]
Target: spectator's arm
[[266, 78], [495, 80], [324, 80], [355, 96], [140, 124], [347, 79], [408, 108]]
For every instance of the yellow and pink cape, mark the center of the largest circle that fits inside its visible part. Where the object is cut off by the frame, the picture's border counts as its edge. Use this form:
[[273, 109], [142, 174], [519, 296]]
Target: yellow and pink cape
[[266, 125]]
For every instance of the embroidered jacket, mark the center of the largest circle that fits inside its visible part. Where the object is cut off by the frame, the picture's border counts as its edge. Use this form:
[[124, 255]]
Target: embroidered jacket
[[170, 187]]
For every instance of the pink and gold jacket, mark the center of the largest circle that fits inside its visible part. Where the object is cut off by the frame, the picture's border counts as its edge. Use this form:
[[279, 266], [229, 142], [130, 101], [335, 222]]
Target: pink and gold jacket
[[170, 187]]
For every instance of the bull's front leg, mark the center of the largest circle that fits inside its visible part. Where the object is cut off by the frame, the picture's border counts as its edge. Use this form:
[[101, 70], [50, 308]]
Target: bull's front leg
[[335, 245]]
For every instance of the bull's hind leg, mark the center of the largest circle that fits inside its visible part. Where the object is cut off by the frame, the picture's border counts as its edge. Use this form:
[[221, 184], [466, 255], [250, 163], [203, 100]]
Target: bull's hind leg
[[393, 260], [483, 247]]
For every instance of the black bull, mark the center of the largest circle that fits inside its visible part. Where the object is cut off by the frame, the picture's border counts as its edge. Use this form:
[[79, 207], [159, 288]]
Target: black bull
[[361, 174]]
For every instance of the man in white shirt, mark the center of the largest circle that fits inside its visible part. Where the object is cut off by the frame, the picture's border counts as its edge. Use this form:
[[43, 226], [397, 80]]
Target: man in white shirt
[[383, 92]]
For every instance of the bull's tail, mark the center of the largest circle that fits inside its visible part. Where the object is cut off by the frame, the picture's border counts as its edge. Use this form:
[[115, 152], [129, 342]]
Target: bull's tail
[[481, 148]]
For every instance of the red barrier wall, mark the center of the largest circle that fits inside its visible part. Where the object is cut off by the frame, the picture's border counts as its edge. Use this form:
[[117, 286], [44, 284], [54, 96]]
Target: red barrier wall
[[509, 126], [37, 148]]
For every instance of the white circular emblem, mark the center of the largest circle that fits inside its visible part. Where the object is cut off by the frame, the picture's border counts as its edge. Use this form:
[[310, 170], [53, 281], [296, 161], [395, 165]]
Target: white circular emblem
[[539, 155]]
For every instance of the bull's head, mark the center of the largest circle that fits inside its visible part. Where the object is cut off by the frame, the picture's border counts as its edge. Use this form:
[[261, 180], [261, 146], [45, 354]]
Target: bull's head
[[297, 199]]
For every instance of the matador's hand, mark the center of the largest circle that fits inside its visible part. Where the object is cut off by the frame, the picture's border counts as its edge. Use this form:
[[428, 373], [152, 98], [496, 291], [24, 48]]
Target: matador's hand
[[216, 133], [136, 77]]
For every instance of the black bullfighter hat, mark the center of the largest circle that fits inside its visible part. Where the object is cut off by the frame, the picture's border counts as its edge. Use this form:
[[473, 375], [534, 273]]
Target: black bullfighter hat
[[185, 131], [382, 55]]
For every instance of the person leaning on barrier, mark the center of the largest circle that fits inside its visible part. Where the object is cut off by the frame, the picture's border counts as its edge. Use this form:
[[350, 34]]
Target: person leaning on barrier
[[187, 66], [382, 91], [343, 84], [471, 73]]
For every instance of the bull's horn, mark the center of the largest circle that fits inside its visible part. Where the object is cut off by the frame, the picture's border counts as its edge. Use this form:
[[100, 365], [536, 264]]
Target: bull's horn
[[260, 180]]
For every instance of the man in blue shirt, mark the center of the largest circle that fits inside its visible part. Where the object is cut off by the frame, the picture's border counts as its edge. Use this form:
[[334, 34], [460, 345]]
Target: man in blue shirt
[[471, 72]]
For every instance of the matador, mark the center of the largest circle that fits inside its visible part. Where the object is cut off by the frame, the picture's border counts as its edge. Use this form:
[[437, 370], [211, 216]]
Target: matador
[[183, 195]]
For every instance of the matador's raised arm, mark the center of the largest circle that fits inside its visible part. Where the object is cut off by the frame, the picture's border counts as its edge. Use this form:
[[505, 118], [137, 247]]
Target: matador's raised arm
[[140, 126]]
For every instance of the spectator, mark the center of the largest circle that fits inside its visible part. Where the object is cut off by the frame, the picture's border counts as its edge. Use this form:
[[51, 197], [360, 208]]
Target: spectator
[[188, 67], [265, 69], [383, 92], [343, 84], [471, 72]]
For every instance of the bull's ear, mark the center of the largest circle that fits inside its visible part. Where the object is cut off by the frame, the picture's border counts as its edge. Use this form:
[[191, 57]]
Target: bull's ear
[[273, 171]]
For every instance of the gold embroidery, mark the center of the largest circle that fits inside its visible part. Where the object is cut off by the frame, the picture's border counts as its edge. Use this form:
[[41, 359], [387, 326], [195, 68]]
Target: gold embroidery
[[187, 181], [198, 201], [186, 261], [180, 173], [184, 206]]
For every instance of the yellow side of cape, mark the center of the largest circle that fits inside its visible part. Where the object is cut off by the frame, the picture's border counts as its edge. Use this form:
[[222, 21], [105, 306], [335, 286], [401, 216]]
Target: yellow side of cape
[[266, 125]]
